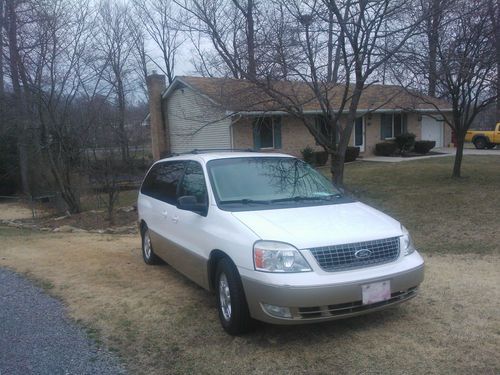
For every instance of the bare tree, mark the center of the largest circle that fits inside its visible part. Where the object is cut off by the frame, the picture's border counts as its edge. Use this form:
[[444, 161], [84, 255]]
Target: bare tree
[[363, 29], [158, 17], [116, 45], [17, 77], [435, 11], [467, 67], [231, 27], [494, 15]]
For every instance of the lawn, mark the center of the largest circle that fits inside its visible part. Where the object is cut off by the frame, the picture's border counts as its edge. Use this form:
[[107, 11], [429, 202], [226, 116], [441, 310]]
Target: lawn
[[159, 322], [443, 214]]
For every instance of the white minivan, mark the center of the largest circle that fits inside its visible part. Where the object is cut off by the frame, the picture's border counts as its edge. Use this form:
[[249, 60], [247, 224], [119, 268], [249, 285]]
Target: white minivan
[[274, 239]]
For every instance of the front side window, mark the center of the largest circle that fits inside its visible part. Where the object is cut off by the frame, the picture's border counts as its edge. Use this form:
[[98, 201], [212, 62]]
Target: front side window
[[270, 182], [267, 132], [162, 180], [193, 183], [392, 125]]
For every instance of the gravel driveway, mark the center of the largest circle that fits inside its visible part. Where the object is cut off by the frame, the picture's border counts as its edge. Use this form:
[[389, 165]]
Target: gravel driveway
[[37, 338]]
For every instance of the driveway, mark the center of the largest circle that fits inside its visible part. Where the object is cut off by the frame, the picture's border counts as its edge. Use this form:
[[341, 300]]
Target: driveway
[[37, 338]]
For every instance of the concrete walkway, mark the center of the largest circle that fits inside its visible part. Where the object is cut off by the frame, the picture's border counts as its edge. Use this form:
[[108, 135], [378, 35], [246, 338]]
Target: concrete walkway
[[448, 151]]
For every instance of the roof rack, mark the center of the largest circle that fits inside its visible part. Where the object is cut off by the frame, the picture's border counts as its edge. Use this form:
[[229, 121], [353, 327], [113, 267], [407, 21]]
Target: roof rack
[[205, 150]]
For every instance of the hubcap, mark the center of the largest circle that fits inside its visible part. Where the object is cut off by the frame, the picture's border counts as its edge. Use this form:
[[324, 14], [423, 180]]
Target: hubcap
[[147, 245], [224, 297]]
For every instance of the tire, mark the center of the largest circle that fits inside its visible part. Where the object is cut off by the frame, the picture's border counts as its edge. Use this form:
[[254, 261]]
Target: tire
[[231, 301], [147, 249], [489, 146], [480, 143]]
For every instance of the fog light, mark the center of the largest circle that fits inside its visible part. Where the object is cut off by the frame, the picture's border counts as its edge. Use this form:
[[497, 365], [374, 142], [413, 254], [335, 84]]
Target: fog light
[[278, 311]]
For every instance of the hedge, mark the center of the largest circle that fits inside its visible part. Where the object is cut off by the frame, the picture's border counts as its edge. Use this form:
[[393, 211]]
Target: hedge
[[385, 148], [423, 147]]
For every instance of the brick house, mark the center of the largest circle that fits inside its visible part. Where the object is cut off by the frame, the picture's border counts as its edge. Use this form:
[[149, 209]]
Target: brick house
[[203, 113]]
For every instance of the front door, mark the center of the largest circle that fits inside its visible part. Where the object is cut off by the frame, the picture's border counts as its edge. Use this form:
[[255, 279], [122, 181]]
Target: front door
[[359, 134]]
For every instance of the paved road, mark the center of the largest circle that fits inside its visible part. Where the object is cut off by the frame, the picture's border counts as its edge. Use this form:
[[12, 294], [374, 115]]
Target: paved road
[[36, 337]]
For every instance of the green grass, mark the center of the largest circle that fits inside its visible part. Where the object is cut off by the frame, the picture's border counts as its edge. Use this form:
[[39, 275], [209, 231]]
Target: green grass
[[444, 215]]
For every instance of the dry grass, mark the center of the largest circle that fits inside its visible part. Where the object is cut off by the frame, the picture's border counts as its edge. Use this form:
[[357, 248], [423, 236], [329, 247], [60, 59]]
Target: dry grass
[[15, 211], [160, 323]]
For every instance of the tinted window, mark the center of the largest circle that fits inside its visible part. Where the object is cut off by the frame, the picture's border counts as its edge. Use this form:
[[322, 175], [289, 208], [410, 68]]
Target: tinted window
[[193, 183], [162, 181]]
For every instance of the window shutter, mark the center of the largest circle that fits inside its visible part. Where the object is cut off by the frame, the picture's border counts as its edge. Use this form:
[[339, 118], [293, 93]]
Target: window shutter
[[404, 118], [277, 132], [256, 135]]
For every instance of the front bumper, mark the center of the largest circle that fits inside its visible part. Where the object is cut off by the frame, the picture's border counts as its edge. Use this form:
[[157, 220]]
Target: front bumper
[[320, 296]]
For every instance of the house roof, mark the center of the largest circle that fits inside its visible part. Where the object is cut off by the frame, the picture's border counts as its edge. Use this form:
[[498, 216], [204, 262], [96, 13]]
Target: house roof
[[244, 96]]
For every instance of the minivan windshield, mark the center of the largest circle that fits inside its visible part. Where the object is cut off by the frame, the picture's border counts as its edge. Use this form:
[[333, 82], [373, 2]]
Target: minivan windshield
[[268, 180]]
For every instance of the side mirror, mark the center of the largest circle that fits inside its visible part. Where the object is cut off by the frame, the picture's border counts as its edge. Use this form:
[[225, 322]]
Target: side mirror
[[189, 203]]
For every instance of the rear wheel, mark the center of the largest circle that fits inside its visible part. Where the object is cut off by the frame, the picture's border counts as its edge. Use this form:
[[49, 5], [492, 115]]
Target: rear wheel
[[480, 143], [231, 300], [147, 249]]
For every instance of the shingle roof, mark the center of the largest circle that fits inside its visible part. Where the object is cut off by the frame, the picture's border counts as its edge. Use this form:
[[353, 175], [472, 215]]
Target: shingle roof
[[242, 95]]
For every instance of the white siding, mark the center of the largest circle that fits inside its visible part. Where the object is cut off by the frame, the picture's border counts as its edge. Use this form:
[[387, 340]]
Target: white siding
[[195, 122]]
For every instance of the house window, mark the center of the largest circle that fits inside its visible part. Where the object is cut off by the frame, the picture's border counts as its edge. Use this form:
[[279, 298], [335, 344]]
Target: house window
[[267, 132], [392, 124]]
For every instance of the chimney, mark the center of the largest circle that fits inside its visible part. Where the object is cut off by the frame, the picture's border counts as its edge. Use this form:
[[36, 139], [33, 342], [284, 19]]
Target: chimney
[[160, 137]]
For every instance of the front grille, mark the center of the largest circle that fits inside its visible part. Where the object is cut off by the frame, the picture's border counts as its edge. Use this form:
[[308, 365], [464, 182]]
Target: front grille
[[356, 255], [352, 307]]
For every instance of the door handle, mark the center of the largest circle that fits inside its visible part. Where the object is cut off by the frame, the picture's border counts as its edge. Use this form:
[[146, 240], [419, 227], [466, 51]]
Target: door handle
[[164, 213], [175, 219]]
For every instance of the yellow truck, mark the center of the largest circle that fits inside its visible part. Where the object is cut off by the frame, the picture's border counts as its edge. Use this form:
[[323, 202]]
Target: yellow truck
[[484, 138]]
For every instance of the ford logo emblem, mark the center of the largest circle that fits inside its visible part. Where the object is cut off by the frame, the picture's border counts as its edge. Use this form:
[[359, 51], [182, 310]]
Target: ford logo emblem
[[362, 253]]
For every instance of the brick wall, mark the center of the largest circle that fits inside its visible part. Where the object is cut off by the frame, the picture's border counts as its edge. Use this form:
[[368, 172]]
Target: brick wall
[[295, 136]]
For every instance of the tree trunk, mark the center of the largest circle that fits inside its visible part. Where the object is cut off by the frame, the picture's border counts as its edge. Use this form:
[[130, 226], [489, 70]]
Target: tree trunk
[[121, 119], [432, 39], [329, 73], [21, 109], [458, 156], [337, 168], [337, 163], [252, 65], [2, 82]]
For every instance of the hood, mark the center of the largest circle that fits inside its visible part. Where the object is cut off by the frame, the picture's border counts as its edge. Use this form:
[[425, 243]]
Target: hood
[[315, 226]]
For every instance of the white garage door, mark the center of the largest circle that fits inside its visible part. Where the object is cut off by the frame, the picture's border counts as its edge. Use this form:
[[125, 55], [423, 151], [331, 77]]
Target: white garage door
[[432, 130]]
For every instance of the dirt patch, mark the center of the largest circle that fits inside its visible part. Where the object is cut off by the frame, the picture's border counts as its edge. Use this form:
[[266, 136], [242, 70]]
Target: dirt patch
[[14, 211], [162, 323], [90, 220]]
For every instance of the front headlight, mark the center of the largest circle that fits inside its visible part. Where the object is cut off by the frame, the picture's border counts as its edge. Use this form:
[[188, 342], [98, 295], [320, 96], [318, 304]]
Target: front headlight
[[406, 242], [270, 256]]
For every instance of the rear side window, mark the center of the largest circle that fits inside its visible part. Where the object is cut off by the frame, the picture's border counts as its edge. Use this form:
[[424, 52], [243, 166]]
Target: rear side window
[[193, 183], [162, 181]]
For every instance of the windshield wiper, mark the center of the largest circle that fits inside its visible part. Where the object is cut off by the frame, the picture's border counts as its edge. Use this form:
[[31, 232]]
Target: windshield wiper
[[244, 201], [299, 198]]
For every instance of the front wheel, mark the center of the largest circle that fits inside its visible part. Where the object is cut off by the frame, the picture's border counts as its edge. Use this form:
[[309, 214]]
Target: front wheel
[[231, 300]]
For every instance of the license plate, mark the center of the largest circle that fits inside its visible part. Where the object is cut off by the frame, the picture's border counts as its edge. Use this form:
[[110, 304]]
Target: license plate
[[376, 292]]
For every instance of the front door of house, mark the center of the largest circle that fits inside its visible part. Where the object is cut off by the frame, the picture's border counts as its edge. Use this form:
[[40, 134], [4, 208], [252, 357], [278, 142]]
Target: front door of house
[[359, 134]]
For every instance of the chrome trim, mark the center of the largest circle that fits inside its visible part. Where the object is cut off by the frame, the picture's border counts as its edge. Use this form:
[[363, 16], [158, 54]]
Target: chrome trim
[[356, 255]]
